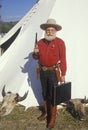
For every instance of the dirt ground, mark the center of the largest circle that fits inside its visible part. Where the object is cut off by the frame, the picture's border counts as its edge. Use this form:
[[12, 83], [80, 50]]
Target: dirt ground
[[19, 119]]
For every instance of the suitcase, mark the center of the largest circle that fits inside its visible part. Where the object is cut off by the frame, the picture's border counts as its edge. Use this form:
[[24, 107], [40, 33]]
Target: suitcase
[[61, 93]]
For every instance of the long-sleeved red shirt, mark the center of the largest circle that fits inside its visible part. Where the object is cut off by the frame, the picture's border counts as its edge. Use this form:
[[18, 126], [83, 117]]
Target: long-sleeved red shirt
[[52, 52]]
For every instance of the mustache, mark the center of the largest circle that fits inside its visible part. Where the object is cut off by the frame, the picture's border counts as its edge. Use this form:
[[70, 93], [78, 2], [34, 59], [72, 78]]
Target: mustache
[[48, 34]]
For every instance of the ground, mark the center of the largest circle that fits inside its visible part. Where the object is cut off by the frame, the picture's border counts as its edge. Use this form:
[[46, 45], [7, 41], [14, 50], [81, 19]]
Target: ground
[[19, 119]]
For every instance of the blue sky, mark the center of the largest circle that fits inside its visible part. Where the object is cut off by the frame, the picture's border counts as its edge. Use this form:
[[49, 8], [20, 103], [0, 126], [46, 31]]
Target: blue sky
[[13, 10]]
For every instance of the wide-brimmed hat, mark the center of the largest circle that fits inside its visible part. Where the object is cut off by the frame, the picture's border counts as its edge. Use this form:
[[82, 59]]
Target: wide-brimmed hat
[[50, 23]]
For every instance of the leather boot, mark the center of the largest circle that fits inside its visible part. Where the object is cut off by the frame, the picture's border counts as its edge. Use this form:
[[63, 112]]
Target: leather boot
[[53, 117], [44, 114]]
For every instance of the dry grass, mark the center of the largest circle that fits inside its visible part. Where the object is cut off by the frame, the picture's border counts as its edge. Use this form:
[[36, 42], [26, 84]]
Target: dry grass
[[27, 120]]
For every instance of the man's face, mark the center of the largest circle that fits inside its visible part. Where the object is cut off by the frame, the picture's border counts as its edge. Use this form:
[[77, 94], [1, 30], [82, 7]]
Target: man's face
[[50, 33]]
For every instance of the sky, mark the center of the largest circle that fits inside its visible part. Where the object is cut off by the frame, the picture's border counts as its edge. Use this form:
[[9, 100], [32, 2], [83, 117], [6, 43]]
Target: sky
[[13, 10]]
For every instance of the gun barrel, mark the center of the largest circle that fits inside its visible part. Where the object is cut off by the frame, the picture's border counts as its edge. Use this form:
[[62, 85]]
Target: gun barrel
[[36, 39]]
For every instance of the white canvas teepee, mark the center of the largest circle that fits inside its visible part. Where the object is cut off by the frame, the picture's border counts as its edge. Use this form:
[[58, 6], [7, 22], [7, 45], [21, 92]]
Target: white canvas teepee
[[18, 68]]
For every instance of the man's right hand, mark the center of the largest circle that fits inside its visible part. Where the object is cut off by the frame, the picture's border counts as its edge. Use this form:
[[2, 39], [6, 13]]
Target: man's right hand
[[36, 50]]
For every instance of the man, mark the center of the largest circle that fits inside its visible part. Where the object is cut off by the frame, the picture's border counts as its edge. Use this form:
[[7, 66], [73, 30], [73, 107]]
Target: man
[[51, 53]]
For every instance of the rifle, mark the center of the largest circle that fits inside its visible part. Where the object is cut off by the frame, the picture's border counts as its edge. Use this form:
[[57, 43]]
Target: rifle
[[36, 46], [36, 41]]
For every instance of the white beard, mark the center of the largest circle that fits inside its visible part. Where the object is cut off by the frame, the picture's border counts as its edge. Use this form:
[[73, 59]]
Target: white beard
[[49, 37]]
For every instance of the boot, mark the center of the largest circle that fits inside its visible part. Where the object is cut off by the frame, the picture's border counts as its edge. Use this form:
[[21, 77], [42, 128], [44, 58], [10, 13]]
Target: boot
[[53, 117], [44, 114]]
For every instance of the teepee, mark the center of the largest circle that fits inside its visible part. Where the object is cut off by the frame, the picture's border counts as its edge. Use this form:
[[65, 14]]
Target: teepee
[[18, 68]]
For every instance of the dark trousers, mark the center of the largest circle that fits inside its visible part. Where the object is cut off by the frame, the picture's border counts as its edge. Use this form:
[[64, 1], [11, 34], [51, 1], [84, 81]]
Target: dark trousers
[[48, 81]]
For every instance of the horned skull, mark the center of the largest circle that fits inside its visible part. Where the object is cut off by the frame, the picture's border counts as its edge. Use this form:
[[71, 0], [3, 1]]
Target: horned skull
[[9, 101], [76, 107]]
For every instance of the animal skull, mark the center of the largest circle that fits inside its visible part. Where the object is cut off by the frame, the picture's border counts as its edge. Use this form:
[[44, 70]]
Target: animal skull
[[9, 101], [76, 107]]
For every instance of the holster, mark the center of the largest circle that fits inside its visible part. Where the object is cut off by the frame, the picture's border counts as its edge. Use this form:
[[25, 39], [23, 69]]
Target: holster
[[58, 74]]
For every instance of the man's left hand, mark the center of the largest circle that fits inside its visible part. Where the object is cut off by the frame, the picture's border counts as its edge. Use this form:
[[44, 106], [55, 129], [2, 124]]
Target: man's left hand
[[62, 78]]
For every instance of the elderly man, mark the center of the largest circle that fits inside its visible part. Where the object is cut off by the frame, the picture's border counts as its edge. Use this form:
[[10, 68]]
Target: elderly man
[[51, 54]]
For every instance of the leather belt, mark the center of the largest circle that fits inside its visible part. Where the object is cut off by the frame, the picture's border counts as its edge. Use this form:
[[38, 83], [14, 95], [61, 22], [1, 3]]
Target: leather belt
[[45, 68]]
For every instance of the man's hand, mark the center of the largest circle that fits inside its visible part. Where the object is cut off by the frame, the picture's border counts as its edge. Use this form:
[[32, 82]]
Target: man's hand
[[36, 49], [62, 78]]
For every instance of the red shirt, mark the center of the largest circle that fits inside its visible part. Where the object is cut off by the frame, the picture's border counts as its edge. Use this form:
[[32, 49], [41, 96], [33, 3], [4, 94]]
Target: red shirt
[[52, 52]]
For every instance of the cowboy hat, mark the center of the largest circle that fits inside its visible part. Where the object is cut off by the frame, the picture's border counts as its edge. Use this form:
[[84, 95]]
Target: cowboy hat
[[50, 23]]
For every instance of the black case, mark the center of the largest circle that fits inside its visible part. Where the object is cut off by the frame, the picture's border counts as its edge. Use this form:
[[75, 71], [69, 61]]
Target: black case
[[61, 93]]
